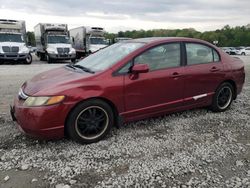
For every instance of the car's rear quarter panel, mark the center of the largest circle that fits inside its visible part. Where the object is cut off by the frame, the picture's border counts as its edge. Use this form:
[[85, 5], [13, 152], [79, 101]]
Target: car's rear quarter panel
[[235, 71]]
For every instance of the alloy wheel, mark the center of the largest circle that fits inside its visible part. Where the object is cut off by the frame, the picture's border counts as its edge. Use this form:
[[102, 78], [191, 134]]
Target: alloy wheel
[[92, 122], [224, 97]]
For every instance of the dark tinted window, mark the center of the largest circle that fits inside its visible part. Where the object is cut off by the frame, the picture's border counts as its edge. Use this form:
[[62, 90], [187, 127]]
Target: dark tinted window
[[161, 57]]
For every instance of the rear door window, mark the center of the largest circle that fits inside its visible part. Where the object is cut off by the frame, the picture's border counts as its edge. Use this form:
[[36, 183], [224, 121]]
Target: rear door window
[[200, 54]]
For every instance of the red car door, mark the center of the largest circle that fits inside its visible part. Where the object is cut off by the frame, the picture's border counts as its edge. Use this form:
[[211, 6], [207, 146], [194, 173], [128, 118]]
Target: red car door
[[158, 90], [203, 74]]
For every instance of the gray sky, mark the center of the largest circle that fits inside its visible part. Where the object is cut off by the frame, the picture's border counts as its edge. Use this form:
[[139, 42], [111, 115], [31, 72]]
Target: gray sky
[[116, 15]]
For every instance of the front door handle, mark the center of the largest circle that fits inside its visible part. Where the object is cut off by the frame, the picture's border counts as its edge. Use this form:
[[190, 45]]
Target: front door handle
[[176, 75], [214, 69]]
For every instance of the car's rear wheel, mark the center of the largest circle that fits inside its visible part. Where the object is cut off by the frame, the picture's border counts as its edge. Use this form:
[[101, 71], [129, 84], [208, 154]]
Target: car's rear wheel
[[223, 97], [90, 121], [243, 53]]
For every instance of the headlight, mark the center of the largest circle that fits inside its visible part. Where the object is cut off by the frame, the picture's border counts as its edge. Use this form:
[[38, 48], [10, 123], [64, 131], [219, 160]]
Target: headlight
[[51, 51], [24, 50], [72, 51], [43, 101]]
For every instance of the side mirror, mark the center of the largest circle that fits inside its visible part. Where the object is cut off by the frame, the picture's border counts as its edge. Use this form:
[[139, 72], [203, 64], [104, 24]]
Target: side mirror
[[140, 68]]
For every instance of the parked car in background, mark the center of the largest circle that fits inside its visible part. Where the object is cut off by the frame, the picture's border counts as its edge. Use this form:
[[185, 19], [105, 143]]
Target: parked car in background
[[226, 49], [245, 51], [124, 82], [231, 50]]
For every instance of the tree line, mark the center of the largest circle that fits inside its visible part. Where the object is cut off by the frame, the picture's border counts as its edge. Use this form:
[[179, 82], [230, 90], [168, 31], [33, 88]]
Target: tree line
[[227, 36]]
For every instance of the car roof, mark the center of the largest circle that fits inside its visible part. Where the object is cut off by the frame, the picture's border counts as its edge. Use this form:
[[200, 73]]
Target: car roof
[[163, 39]]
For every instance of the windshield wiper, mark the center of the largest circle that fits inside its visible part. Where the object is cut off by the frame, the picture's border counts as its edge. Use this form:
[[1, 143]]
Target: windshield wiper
[[84, 68], [70, 66]]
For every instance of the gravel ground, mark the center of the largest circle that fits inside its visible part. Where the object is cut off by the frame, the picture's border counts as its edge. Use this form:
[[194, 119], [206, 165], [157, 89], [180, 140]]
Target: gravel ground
[[194, 148]]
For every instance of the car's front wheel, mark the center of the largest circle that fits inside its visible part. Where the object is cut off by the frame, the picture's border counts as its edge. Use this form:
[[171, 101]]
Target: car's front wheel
[[243, 53], [90, 121], [223, 97]]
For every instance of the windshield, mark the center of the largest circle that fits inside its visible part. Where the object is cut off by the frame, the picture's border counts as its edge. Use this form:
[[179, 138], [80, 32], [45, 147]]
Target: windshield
[[97, 41], [5, 37], [107, 57], [53, 39]]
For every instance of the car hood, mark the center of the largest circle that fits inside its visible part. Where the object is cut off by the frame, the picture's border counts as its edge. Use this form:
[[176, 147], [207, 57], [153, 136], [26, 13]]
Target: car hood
[[53, 81]]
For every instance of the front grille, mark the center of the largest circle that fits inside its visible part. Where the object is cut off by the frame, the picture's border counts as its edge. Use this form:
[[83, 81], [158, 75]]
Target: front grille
[[66, 50], [8, 49], [14, 49], [63, 50], [11, 55]]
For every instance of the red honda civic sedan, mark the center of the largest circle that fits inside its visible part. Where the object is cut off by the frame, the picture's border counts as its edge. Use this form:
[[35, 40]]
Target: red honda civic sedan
[[124, 82]]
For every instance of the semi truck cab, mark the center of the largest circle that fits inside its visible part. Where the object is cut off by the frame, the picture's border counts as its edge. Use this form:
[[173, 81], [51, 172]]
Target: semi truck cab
[[87, 40], [53, 42], [97, 40], [12, 42], [59, 47], [97, 43]]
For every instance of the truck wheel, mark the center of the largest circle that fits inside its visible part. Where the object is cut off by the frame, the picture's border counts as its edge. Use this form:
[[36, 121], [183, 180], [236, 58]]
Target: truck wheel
[[49, 60], [73, 60], [42, 56], [28, 59]]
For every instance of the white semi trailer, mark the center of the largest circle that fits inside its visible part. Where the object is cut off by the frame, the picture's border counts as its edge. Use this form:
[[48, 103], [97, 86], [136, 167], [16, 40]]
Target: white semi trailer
[[87, 40], [12, 42], [52, 42]]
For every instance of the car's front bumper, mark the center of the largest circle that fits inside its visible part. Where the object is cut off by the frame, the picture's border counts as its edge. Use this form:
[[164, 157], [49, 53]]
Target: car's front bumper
[[13, 56], [46, 122], [62, 56]]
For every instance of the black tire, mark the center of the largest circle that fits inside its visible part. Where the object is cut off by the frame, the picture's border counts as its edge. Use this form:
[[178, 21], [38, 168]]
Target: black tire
[[73, 60], [48, 59], [28, 59], [42, 56], [79, 123], [243, 53], [223, 97]]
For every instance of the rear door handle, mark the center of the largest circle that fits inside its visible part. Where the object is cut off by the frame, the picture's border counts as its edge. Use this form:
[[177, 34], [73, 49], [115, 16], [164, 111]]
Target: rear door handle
[[214, 69], [176, 75]]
